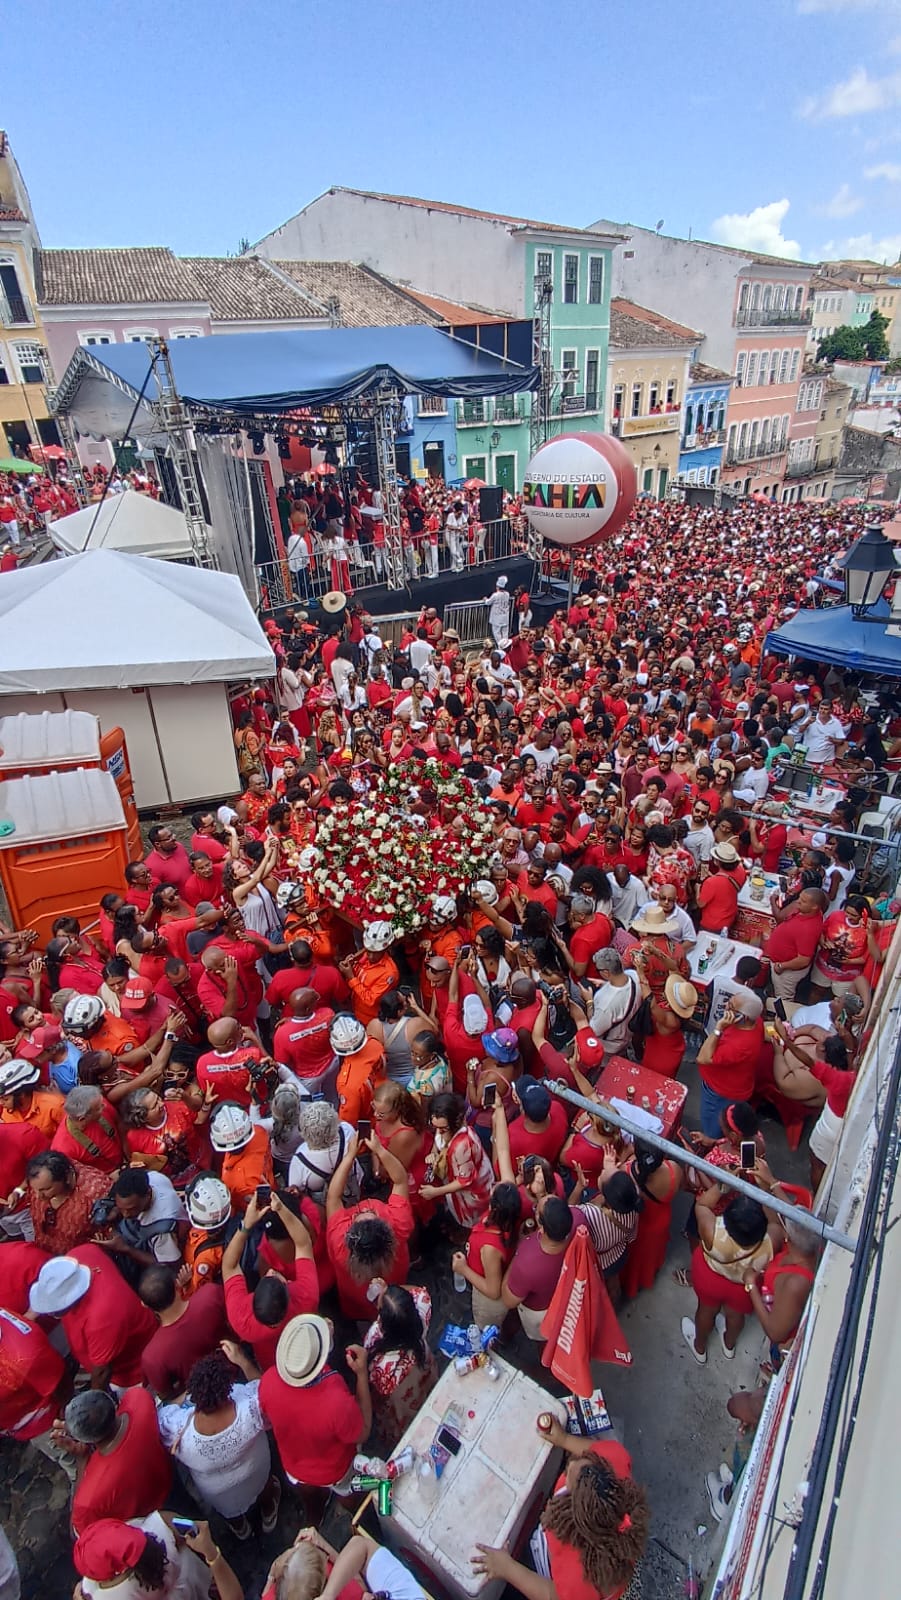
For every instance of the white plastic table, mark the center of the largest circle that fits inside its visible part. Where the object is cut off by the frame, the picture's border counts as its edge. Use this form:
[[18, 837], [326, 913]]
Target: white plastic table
[[490, 1493]]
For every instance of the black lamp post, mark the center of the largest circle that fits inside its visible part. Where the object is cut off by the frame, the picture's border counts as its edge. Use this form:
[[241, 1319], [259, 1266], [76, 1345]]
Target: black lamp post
[[867, 566]]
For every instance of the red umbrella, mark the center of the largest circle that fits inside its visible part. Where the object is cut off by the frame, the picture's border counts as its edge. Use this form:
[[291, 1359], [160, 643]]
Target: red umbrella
[[475, 483], [580, 1324]]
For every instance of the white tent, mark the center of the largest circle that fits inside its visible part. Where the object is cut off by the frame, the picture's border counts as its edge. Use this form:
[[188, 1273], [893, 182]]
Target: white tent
[[134, 523], [146, 646]]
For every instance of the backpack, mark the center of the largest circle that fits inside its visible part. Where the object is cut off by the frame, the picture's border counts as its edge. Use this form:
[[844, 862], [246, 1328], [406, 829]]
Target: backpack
[[351, 1188]]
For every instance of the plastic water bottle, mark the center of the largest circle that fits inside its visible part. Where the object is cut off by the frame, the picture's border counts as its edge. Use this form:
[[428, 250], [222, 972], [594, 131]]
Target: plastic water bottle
[[459, 1283]]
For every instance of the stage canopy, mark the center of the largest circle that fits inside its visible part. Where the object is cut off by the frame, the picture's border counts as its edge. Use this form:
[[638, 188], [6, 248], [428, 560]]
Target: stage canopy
[[835, 635], [104, 620], [252, 374], [135, 523]]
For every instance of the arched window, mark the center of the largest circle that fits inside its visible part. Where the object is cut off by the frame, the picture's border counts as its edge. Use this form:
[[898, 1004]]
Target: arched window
[[784, 366], [767, 297], [764, 366], [743, 438], [796, 362], [764, 435], [743, 297], [778, 296], [720, 416], [751, 380], [774, 366], [740, 369], [799, 299], [755, 296], [752, 438], [730, 446]]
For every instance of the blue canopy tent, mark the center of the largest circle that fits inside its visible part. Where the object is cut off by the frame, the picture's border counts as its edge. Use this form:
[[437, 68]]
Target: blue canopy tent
[[835, 635], [252, 373]]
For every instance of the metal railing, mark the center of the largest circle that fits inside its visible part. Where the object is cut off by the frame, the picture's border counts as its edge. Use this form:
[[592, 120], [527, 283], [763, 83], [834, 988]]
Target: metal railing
[[14, 309], [809, 468], [704, 441], [470, 413], [736, 456], [509, 408], [772, 317], [487, 544]]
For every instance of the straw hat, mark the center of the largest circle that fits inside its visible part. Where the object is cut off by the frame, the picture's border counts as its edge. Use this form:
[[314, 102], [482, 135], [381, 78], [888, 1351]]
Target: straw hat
[[682, 996], [59, 1285], [653, 919], [725, 853], [303, 1349]]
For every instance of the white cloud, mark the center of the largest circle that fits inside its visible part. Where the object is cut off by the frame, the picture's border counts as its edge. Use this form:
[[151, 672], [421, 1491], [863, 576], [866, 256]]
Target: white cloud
[[864, 247], [889, 170], [806, 7], [854, 97], [759, 230], [842, 204]]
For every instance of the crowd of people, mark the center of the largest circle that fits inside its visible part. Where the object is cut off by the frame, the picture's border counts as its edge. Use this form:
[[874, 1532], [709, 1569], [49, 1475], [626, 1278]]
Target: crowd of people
[[34, 496], [238, 1131], [335, 540]]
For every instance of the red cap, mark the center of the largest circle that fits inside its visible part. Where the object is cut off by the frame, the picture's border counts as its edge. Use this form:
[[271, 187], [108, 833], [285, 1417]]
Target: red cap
[[43, 1038], [107, 1549], [271, 626], [136, 994], [589, 1047]]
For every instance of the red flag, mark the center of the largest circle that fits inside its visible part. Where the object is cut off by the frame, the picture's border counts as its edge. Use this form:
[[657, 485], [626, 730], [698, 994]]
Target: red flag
[[580, 1325]]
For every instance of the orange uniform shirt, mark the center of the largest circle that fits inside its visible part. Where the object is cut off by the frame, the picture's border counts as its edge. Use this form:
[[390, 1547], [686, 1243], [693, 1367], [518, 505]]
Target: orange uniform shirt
[[359, 1075], [372, 977], [243, 1170]]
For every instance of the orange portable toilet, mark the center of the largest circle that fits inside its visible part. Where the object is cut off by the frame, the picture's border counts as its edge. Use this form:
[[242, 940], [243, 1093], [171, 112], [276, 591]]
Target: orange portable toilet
[[63, 845], [55, 741]]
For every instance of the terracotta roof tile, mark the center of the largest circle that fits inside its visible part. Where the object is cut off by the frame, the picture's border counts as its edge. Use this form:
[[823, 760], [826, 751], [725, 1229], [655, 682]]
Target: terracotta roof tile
[[700, 373], [12, 214], [452, 312], [140, 276], [245, 289], [364, 298], [633, 325]]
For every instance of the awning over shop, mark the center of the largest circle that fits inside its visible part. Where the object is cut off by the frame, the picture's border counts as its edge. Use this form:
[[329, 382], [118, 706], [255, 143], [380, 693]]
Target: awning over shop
[[835, 635]]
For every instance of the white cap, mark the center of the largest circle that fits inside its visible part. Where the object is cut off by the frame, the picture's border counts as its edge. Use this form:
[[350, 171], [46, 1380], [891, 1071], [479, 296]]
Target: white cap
[[475, 1017], [502, 582]]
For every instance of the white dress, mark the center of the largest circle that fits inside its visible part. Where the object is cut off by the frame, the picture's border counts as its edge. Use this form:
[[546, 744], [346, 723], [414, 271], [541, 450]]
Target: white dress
[[229, 1469], [186, 1576]]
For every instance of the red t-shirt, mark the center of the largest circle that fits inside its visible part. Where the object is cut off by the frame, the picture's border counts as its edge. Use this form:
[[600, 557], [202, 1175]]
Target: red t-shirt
[[108, 1326], [397, 1211], [174, 869], [595, 935], [323, 977], [131, 1480], [838, 1086], [109, 1150], [195, 889], [154, 1015], [203, 845], [548, 1143], [732, 1070], [30, 1371], [303, 1044], [228, 1073], [567, 1572], [173, 1350], [22, 1261], [718, 900], [797, 936], [303, 1295], [176, 1140], [317, 1428], [19, 1141]]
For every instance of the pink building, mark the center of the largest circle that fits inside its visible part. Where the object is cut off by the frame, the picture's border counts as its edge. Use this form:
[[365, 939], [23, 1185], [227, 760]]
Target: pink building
[[770, 320]]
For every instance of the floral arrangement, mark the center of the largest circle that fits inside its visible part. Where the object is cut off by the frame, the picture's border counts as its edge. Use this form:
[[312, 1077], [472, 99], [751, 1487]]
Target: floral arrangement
[[381, 860]]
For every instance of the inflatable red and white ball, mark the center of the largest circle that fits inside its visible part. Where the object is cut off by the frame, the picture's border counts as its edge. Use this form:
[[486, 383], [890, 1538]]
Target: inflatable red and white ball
[[579, 489]]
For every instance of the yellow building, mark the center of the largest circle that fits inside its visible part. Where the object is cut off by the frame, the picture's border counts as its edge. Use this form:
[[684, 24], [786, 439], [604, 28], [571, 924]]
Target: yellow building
[[24, 419], [648, 373]]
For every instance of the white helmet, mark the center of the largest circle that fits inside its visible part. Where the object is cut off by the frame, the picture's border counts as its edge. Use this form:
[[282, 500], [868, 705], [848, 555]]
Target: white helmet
[[308, 858], [377, 936], [346, 1034], [486, 891], [18, 1074], [230, 1127], [444, 908], [83, 1012], [208, 1201], [287, 893], [744, 632]]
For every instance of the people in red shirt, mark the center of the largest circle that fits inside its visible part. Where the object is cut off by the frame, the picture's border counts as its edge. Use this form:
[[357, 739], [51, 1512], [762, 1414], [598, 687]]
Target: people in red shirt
[[104, 1321], [307, 973], [259, 1316], [592, 932], [718, 898], [224, 1067], [146, 1011], [302, 1041], [89, 1132], [128, 1472], [32, 1374], [317, 1423], [542, 1128], [370, 1239], [204, 882], [791, 946]]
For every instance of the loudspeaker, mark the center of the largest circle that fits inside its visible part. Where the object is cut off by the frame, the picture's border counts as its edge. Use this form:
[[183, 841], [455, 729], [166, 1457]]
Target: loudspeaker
[[491, 503]]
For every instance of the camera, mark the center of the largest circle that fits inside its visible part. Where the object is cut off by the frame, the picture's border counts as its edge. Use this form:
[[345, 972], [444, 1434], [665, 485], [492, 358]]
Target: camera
[[103, 1211]]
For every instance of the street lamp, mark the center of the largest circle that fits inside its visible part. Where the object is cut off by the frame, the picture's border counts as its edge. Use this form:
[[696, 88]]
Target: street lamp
[[867, 566]]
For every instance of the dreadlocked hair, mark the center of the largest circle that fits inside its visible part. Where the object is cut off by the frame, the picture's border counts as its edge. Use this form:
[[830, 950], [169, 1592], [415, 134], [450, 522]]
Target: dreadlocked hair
[[590, 1516]]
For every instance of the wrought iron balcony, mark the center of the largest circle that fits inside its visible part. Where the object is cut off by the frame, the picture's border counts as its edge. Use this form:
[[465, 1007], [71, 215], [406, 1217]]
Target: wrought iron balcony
[[737, 456], [772, 317], [704, 440], [810, 468]]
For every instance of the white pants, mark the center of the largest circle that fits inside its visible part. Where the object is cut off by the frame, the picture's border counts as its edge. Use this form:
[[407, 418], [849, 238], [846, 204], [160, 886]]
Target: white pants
[[431, 559]]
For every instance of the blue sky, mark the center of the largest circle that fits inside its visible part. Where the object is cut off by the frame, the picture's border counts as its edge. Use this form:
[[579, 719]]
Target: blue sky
[[775, 125]]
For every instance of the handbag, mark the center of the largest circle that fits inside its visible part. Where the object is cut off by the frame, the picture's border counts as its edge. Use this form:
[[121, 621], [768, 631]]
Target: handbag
[[641, 1026]]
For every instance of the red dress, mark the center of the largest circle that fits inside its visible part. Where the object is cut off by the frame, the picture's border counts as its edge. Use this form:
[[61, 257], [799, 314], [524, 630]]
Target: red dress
[[663, 1052], [647, 1252]]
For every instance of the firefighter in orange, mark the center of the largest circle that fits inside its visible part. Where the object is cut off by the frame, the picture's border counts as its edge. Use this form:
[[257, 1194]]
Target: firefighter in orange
[[371, 972]]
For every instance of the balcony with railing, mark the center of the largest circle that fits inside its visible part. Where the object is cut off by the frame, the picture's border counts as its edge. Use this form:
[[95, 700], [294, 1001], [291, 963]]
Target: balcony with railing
[[771, 449], [702, 440], [575, 405], [810, 467], [506, 408], [772, 317], [15, 310]]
